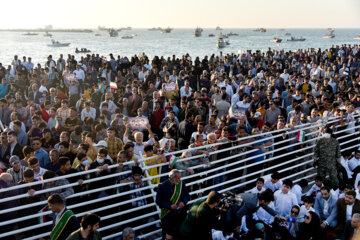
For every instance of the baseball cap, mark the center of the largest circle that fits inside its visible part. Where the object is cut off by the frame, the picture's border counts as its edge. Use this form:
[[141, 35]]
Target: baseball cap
[[101, 143], [257, 114]]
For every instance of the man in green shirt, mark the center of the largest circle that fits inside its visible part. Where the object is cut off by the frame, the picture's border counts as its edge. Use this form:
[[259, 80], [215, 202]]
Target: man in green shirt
[[88, 230]]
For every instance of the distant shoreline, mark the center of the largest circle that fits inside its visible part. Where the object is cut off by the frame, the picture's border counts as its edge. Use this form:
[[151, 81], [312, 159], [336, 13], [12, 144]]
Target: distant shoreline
[[47, 30]]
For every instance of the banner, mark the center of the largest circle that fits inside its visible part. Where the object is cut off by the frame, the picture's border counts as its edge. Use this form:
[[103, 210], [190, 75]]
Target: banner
[[170, 87], [70, 76], [138, 122], [236, 113]]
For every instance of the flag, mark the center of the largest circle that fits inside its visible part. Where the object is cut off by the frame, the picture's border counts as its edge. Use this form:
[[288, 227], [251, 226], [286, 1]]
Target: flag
[[176, 84], [251, 83], [113, 85], [300, 136], [56, 124], [172, 160], [42, 219], [160, 93], [231, 111]]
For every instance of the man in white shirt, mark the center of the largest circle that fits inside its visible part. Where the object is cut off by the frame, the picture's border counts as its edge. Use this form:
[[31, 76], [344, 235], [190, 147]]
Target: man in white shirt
[[259, 186], [244, 104], [285, 76], [79, 73], [141, 74], [182, 89], [316, 187], [284, 199], [173, 77], [139, 138], [297, 189], [200, 130], [355, 161], [273, 182], [109, 101], [88, 111]]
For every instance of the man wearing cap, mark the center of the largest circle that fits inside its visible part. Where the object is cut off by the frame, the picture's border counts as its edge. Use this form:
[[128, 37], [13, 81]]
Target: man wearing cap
[[103, 144], [16, 170]]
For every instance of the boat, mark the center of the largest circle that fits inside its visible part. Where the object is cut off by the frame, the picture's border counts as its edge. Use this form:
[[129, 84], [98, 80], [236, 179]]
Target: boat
[[82, 50], [134, 34], [294, 39], [97, 34], [126, 37], [232, 34], [357, 38], [330, 34], [211, 35], [222, 36], [58, 44], [218, 28], [287, 34], [197, 32], [276, 40], [30, 34], [260, 30], [166, 30], [126, 28], [227, 42], [282, 29], [220, 43], [113, 33], [47, 34], [155, 29]]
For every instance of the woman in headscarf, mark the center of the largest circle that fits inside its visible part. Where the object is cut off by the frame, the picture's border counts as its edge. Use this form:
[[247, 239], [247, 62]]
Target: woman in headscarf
[[310, 229]]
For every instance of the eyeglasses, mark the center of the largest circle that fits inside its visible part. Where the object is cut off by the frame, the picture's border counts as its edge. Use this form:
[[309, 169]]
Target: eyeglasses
[[307, 217], [295, 212]]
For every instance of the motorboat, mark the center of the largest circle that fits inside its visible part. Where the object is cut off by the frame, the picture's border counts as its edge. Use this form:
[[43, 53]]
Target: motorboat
[[211, 35], [357, 38], [166, 30], [126, 37], [82, 50], [294, 39], [30, 34], [113, 33], [227, 42], [330, 34], [47, 34], [58, 44], [220, 43], [232, 34], [218, 28], [287, 34], [197, 32], [276, 40]]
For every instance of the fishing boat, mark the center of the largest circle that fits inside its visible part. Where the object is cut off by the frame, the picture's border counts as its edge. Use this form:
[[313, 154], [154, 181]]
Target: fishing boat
[[126, 37], [294, 39], [287, 34], [211, 35], [113, 33], [330, 34], [232, 34], [82, 50], [220, 43], [276, 40], [218, 28], [357, 38], [47, 34], [166, 30], [58, 44], [155, 29], [30, 34], [197, 32]]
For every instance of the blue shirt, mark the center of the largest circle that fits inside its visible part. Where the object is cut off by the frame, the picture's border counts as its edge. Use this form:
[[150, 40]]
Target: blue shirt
[[22, 138], [258, 151], [43, 157]]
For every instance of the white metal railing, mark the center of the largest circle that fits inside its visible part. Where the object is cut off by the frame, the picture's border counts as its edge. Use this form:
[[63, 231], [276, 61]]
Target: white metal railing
[[304, 162]]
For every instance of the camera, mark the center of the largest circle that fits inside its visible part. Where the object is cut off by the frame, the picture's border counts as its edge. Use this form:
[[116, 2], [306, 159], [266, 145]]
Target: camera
[[231, 199]]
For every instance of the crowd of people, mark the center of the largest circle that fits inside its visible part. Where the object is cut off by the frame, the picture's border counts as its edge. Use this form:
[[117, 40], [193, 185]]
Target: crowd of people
[[134, 122]]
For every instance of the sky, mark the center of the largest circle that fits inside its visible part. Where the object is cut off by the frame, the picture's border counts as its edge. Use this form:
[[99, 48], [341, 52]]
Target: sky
[[181, 13]]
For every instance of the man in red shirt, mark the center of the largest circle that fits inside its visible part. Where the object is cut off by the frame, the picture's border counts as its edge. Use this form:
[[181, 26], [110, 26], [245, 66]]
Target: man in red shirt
[[157, 116]]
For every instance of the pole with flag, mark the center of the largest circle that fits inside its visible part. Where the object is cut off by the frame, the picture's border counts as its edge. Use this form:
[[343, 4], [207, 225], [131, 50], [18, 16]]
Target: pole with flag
[[172, 161], [56, 124]]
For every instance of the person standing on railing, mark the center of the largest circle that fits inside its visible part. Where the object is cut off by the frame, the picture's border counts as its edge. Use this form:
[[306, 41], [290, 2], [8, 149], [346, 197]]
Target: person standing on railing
[[64, 220], [172, 197]]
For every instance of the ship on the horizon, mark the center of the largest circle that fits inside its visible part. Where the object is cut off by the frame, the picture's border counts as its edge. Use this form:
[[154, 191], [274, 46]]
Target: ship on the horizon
[[113, 32], [197, 32], [30, 34], [260, 30], [154, 29], [166, 30], [330, 34], [218, 28]]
